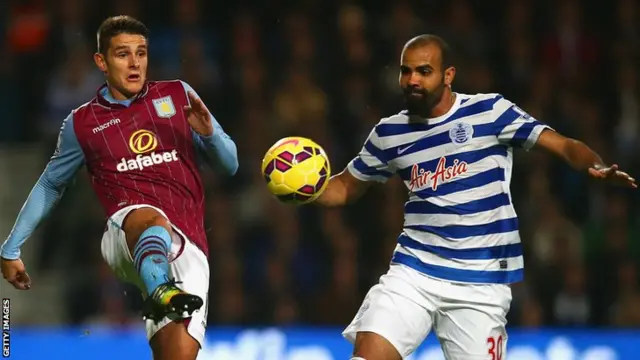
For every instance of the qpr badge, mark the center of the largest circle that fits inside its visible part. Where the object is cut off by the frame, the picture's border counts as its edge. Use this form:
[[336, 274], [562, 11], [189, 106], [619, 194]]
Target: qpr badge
[[164, 107], [460, 133]]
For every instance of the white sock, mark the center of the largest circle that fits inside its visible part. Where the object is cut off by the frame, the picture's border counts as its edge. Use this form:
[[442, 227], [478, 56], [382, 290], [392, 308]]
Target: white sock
[[357, 358]]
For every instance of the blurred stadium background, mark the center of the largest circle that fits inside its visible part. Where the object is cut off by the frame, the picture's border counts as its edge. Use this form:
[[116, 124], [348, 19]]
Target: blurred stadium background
[[286, 280]]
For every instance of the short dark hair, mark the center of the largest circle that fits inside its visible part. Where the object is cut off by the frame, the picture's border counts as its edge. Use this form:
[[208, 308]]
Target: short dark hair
[[116, 25], [427, 39]]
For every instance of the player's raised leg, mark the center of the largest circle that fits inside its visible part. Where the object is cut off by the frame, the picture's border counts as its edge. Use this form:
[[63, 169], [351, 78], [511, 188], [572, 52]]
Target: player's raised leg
[[148, 235], [372, 346], [393, 320]]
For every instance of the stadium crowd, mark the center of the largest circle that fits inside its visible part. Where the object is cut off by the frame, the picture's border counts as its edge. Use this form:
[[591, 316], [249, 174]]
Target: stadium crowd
[[328, 70]]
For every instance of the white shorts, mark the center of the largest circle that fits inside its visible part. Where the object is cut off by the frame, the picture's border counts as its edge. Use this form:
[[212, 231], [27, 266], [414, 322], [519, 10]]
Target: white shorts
[[187, 264], [468, 319]]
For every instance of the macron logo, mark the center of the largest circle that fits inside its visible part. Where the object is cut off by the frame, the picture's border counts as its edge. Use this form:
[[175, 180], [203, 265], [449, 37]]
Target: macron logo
[[106, 125]]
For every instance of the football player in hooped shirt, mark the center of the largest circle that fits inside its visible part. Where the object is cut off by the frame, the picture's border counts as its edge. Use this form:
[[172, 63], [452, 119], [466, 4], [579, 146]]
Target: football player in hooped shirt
[[460, 246], [141, 142]]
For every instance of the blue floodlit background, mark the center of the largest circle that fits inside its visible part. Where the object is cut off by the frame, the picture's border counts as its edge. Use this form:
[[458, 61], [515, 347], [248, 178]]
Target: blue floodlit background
[[286, 280]]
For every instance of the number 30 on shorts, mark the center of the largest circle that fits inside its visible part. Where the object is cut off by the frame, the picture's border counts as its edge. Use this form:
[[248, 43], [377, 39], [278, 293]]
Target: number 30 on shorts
[[496, 345]]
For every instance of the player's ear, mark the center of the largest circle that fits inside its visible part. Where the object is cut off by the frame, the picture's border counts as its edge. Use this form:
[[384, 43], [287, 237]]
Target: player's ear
[[449, 75], [101, 63]]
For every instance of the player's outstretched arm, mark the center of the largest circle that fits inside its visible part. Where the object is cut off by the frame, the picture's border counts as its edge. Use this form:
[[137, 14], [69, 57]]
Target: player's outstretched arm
[[208, 136], [517, 128], [342, 189], [61, 169], [582, 158], [369, 166]]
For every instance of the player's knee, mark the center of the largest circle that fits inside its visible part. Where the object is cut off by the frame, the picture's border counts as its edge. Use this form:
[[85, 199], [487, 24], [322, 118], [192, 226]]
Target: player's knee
[[372, 346], [140, 220]]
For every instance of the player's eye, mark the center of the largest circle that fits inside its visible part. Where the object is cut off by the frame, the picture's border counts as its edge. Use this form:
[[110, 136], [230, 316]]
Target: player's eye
[[424, 71], [405, 70]]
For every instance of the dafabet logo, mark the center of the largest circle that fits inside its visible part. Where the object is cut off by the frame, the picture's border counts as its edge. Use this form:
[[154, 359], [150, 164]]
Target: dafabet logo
[[145, 142]]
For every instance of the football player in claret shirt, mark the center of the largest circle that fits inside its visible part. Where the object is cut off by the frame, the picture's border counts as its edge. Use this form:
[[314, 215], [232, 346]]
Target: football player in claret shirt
[[141, 142]]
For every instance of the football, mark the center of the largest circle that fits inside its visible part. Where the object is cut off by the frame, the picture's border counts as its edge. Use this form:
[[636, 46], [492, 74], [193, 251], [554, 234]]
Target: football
[[296, 170]]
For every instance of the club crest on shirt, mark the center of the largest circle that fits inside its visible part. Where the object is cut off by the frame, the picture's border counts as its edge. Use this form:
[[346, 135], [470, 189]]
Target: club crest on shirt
[[523, 114], [164, 107], [461, 132]]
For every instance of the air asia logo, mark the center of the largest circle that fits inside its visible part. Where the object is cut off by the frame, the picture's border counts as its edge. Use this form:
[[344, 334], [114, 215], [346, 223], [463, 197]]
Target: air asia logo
[[443, 173], [143, 142]]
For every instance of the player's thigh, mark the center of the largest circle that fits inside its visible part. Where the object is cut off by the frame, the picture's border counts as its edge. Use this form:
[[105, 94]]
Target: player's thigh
[[190, 269], [393, 320], [469, 330], [173, 342], [471, 334]]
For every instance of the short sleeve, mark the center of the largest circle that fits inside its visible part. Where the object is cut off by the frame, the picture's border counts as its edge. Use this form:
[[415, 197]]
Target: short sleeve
[[515, 127], [371, 163]]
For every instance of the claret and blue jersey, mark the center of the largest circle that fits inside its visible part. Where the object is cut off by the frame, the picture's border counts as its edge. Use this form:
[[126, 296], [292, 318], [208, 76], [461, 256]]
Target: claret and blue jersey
[[138, 151], [460, 224]]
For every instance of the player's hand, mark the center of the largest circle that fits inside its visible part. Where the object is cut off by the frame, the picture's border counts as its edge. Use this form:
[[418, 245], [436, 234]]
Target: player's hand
[[613, 175], [198, 116], [15, 273]]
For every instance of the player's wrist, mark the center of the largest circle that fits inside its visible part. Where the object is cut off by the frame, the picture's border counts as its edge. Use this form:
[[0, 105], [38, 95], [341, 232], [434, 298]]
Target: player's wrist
[[213, 142], [9, 257], [208, 132], [9, 254], [213, 136]]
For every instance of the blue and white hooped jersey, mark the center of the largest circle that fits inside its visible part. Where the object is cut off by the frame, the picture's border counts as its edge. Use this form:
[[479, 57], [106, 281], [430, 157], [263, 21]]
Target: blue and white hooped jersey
[[460, 224]]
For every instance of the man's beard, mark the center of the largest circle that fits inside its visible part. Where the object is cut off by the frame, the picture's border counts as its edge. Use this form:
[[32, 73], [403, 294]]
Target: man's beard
[[421, 101]]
